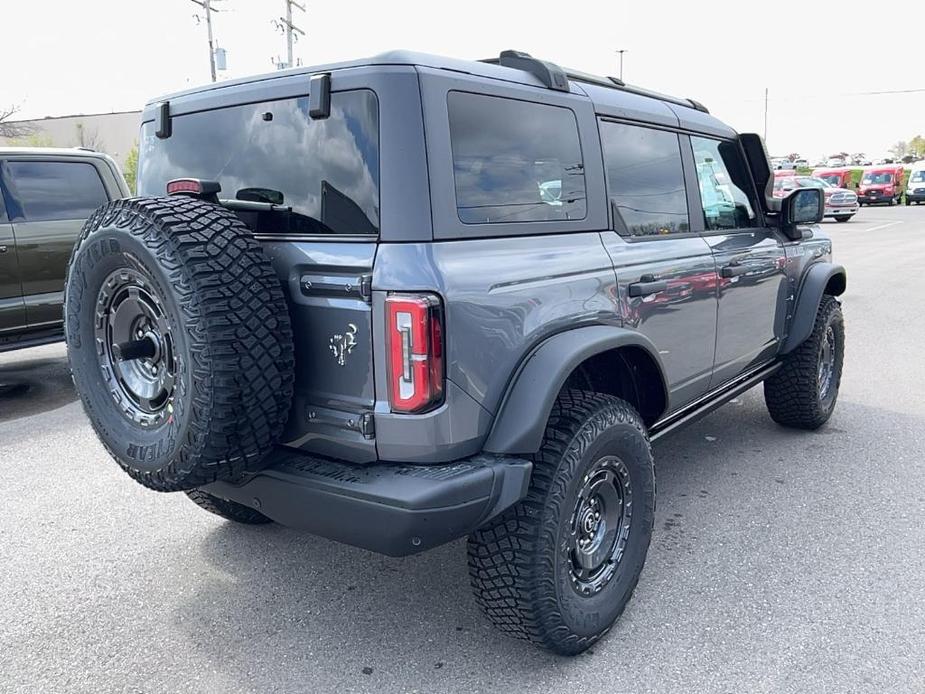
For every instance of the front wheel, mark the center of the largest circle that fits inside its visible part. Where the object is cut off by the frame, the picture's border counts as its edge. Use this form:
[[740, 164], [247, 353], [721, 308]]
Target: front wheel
[[559, 567], [802, 393]]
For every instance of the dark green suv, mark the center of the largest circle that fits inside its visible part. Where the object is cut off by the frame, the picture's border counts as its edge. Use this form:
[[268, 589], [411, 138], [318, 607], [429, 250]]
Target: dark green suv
[[45, 197]]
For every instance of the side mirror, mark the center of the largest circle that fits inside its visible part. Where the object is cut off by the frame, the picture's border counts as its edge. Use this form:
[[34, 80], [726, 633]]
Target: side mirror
[[802, 206]]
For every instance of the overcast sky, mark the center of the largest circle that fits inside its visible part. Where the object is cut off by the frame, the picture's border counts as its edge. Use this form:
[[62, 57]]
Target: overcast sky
[[816, 58]]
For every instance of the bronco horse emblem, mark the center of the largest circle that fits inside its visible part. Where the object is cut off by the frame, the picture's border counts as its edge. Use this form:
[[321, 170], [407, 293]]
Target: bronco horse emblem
[[342, 345]]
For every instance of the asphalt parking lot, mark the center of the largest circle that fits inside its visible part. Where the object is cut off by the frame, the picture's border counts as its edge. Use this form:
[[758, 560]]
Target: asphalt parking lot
[[781, 561]]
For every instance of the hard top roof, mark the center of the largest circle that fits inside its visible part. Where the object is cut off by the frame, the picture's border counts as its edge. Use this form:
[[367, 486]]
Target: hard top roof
[[51, 152], [604, 92]]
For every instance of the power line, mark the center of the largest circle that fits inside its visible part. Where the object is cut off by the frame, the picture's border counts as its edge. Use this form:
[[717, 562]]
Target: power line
[[824, 96]]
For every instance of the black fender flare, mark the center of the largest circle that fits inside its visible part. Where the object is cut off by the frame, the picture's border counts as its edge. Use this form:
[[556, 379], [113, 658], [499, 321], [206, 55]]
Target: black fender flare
[[521, 420], [817, 278]]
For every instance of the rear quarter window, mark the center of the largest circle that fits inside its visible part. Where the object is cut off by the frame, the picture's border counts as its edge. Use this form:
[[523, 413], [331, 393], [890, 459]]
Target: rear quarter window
[[325, 170], [515, 161]]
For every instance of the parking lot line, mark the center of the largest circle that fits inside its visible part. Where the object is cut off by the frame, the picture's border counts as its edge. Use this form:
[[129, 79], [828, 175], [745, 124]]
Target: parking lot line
[[884, 226]]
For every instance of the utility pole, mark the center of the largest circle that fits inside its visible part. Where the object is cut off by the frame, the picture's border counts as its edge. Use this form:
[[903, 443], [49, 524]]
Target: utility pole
[[289, 29], [621, 51], [765, 114], [206, 5]]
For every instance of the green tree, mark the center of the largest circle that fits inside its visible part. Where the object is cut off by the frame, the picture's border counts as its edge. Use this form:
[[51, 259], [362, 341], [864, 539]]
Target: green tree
[[917, 145], [130, 171], [33, 140]]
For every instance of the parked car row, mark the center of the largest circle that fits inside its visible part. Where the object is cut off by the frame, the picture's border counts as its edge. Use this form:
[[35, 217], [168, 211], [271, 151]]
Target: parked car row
[[879, 184], [841, 204]]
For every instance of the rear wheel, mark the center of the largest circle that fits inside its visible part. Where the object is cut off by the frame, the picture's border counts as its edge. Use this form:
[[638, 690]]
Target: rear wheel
[[230, 510], [844, 218], [802, 393], [559, 567], [179, 341]]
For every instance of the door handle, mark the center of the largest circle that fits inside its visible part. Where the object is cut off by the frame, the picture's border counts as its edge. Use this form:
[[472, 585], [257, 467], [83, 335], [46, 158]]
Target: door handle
[[733, 270], [647, 284]]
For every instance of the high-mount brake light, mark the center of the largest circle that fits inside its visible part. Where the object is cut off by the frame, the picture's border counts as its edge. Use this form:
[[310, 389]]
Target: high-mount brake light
[[184, 185], [197, 187], [414, 335]]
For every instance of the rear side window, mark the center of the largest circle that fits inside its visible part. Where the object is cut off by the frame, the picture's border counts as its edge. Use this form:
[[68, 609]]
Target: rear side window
[[515, 161], [645, 179], [43, 191], [326, 171], [724, 180]]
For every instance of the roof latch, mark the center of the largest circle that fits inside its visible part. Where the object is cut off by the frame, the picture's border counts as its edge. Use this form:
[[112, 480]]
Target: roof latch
[[319, 96]]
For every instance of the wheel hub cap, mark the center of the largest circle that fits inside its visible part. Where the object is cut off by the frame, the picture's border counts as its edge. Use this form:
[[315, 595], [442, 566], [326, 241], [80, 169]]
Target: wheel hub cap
[[599, 526], [135, 347]]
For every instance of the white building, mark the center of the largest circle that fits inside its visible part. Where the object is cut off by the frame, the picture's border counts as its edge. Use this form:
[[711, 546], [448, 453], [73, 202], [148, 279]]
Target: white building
[[112, 133]]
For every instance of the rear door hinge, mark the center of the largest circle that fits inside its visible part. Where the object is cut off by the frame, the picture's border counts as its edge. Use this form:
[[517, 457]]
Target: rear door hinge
[[368, 425], [366, 288]]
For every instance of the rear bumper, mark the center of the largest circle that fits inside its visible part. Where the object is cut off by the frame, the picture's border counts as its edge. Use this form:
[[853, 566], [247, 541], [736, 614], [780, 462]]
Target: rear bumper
[[391, 508]]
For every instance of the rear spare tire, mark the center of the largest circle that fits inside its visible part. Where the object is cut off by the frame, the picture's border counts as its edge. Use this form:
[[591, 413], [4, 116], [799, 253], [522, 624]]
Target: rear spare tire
[[179, 341]]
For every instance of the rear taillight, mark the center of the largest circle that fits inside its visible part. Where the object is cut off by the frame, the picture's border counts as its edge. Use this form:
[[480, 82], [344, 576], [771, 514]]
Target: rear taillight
[[414, 335]]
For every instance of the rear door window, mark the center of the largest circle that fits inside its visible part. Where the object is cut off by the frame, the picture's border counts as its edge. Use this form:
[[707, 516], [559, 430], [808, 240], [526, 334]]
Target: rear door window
[[645, 179], [515, 161], [322, 174], [42, 191]]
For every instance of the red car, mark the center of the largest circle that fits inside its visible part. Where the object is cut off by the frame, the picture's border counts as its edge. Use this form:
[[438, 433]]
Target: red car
[[881, 184]]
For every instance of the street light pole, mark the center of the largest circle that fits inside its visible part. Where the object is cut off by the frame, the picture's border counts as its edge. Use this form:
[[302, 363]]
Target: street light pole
[[765, 114], [621, 51]]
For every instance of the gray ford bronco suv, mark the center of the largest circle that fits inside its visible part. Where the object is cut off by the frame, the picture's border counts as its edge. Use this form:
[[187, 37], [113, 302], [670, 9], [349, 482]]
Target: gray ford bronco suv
[[407, 299]]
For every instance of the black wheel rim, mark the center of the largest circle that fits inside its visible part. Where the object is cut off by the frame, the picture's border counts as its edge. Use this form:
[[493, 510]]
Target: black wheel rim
[[826, 363], [599, 526], [135, 346]]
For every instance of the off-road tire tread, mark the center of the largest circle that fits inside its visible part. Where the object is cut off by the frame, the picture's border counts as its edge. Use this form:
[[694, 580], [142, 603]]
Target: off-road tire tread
[[241, 351], [230, 510], [512, 578], [790, 392]]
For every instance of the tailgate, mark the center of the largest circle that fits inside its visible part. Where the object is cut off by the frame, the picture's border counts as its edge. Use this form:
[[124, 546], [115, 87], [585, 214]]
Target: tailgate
[[328, 287]]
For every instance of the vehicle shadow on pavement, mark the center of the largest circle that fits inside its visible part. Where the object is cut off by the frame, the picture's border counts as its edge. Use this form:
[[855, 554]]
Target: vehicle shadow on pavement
[[31, 383], [283, 610]]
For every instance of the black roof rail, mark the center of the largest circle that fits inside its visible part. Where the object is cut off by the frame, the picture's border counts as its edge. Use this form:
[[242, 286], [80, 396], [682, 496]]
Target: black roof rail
[[549, 74]]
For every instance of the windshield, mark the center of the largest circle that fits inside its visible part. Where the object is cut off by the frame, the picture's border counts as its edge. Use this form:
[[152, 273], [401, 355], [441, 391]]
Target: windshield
[[831, 179], [918, 177], [785, 183], [807, 182], [877, 178]]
